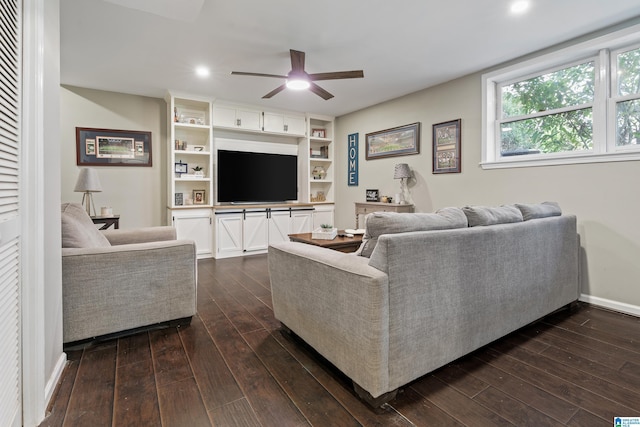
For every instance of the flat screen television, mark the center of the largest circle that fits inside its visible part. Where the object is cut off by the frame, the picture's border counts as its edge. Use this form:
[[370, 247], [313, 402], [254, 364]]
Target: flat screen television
[[245, 177]]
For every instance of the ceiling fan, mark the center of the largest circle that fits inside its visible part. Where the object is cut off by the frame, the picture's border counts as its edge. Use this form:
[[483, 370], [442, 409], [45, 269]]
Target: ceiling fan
[[299, 79]]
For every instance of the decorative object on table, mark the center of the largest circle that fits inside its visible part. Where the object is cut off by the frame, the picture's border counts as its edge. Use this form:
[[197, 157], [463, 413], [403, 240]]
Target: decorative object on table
[[198, 197], [106, 211], [447, 147], [181, 168], [352, 154], [386, 199], [88, 183], [198, 171], [108, 147], [318, 172], [318, 133], [325, 232], [179, 199], [403, 173], [373, 195], [398, 141]]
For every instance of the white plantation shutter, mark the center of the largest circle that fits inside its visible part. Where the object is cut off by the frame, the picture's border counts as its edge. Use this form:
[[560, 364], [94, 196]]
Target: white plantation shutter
[[10, 94]]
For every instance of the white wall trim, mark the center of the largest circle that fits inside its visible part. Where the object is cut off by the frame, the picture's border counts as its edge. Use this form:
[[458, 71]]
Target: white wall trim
[[622, 307], [56, 375]]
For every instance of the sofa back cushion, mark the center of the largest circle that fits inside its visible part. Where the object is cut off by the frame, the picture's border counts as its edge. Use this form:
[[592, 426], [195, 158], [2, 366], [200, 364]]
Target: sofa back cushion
[[539, 210], [485, 215], [78, 231], [379, 223]]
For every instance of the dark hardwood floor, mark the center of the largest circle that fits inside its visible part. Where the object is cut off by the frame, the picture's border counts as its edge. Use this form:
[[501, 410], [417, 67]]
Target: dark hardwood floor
[[234, 367]]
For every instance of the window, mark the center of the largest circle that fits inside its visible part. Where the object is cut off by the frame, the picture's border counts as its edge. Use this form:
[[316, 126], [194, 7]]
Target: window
[[558, 109]]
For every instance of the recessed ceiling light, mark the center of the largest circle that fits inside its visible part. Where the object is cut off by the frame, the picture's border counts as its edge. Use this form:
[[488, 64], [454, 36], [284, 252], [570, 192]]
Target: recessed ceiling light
[[519, 6], [202, 72]]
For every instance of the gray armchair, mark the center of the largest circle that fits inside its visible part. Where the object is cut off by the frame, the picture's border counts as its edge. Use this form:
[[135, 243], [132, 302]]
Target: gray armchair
[[115, 281]]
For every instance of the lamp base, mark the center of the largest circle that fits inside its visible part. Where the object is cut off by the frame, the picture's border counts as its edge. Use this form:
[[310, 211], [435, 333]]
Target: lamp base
[[88, 197]]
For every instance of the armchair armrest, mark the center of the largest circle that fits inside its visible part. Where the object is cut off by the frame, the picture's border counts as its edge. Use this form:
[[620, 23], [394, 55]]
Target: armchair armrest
[[140, 235], [113, 289]]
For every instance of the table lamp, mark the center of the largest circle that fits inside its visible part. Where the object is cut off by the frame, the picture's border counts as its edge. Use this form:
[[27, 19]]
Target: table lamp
[[88, 183], [403, 173]]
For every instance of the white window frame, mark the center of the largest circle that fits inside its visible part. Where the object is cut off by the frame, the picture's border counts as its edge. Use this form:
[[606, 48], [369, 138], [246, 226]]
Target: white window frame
[[614, 99], [604, 149]]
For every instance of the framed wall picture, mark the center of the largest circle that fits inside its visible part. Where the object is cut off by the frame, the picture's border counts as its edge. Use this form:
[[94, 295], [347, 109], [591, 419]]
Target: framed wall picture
[[110, 147], [446, 147], [398, 141]]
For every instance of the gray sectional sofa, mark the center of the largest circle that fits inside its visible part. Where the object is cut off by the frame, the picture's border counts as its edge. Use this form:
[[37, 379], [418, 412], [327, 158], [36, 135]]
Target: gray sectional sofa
[[434, 288]]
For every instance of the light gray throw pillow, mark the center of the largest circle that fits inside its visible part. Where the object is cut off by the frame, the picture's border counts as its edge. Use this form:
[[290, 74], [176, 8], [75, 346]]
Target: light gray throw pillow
[[539, 210], [484, 215], [379, 223], [78, 230]]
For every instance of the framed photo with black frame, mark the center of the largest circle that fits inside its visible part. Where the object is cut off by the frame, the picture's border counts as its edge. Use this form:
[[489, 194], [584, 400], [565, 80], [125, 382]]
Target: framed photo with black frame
[[111, 147], [446, 147]]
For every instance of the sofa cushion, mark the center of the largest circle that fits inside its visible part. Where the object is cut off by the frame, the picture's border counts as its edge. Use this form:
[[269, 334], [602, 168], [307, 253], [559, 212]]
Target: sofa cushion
[[379, 223], [485, 215], [78, 231], [539, 210]]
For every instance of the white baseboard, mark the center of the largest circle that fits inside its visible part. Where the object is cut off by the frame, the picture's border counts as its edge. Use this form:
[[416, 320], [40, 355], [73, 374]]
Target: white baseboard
[[51, 385], [622, 307]]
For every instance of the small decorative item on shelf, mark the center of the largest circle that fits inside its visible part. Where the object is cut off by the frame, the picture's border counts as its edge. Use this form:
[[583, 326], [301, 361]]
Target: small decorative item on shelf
[[181, 168], [198, 171], [325, 232], [181, 145], [319, 133], [321, 153], [179, 199], [175, 114], [318, 172], [198, 197], [319, 197]]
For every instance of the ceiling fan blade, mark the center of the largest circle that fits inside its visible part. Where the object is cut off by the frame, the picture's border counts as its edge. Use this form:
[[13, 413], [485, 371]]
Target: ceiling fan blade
[[241, 73], [319, 91], [356, 74], [297, 61], [275, 91]]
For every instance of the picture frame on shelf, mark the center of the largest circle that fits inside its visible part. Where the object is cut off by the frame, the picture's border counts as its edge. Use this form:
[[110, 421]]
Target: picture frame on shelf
[[199, 197], [446, 147], [398, 141], [179, 199], [373, 195], [112, 147], [181, 168], [319, 133]]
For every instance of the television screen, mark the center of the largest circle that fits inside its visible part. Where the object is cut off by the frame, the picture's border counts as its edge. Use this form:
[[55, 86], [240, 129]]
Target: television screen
[[256, 177]]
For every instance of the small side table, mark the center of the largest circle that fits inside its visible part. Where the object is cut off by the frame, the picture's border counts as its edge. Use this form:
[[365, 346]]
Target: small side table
[[363, 208], [108, 221]]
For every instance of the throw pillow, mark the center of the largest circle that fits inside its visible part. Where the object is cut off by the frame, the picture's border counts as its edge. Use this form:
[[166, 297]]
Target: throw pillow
[[539, 210], [484, 215], [78, 231], [379, 223]]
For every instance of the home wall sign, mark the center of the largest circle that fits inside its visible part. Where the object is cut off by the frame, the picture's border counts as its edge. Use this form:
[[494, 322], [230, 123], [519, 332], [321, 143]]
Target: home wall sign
[[352, 156]]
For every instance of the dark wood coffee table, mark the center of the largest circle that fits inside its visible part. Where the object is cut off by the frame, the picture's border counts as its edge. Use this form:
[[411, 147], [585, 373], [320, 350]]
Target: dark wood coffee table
[[342, 244]]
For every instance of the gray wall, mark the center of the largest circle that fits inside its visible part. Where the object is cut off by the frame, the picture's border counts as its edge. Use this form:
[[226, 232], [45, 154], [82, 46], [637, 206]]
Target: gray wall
[[138, 194], [602, 195]]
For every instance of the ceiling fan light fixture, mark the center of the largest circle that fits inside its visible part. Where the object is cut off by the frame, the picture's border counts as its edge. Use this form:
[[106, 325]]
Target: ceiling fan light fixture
[[298, 84]]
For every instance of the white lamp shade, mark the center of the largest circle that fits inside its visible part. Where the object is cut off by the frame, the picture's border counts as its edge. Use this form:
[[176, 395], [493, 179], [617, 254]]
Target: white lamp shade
[[402, 171], [88, 181]]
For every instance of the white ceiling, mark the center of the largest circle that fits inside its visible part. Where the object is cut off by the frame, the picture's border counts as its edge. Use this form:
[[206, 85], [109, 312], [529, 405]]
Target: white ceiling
[[403, 46]]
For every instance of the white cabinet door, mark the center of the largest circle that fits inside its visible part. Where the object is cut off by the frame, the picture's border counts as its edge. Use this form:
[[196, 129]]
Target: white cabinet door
[[248, 119], [301, 222], [236, 117], [322, 215], [282, 123], [195, 225], [256, 231], [228, 235], [279, 226]]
